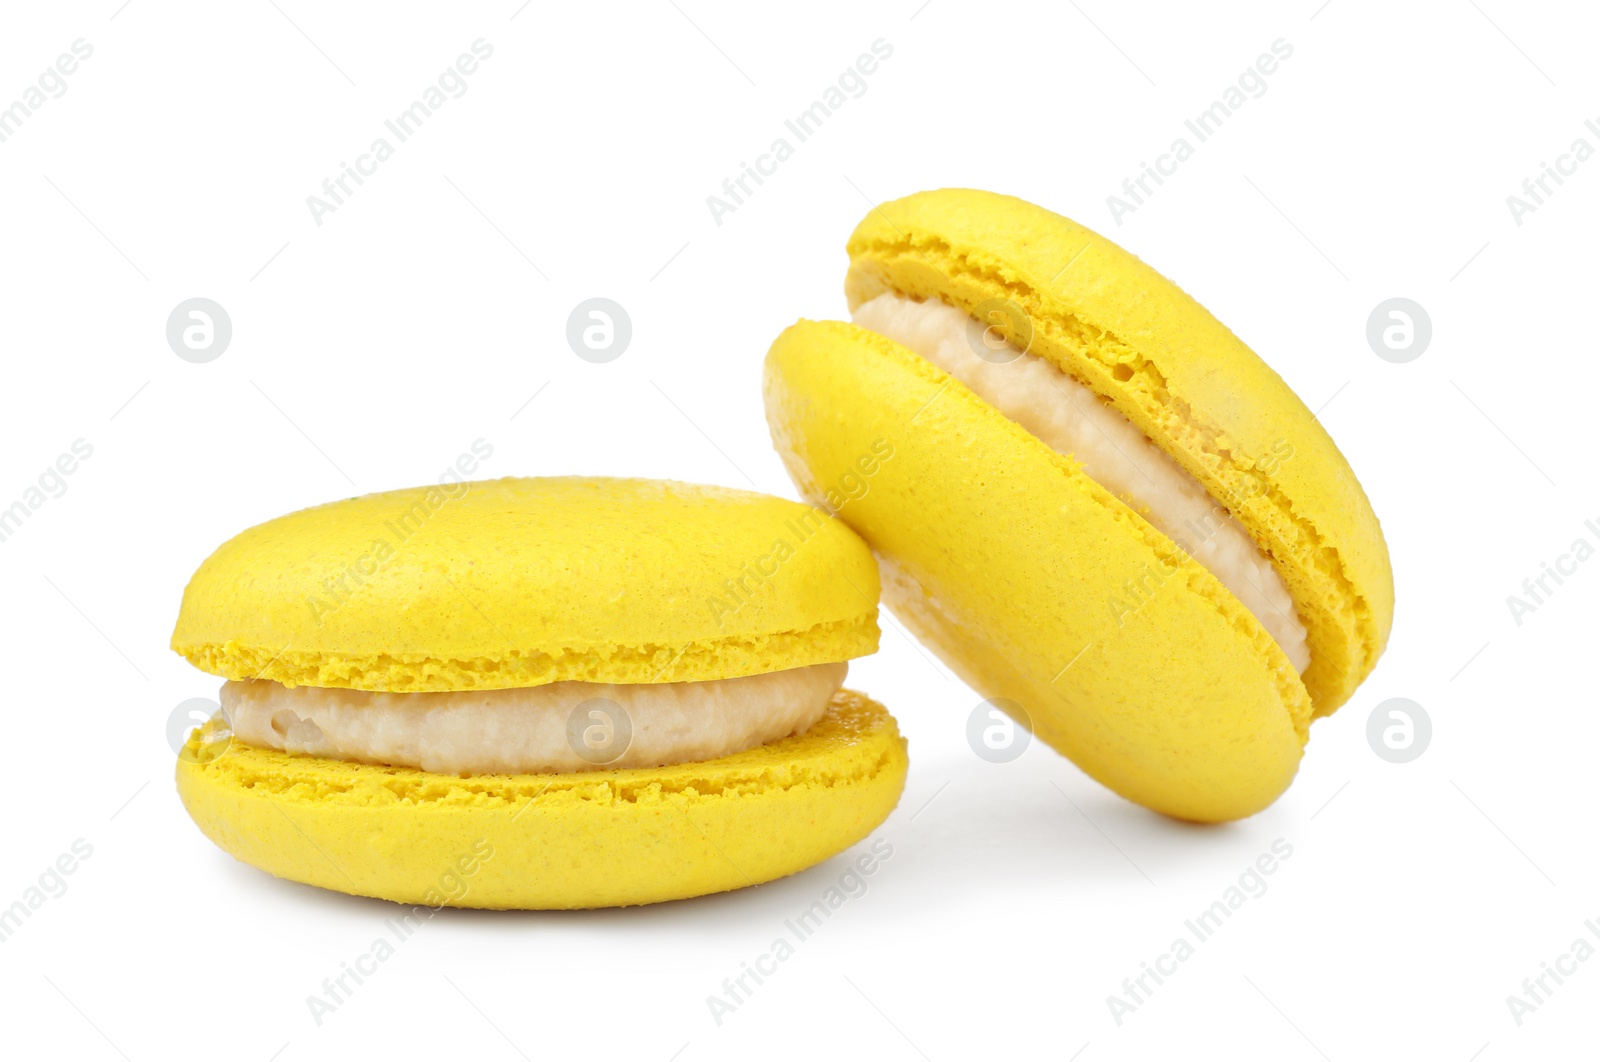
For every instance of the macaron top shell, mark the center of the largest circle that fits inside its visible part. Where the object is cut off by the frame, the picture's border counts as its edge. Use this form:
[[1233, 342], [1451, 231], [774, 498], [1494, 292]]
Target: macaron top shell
[[521, 582], [1178, 374]]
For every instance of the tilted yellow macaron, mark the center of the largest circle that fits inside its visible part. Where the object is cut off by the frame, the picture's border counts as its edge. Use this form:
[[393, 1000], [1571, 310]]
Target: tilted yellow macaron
[[1102, 510], [538, 693]]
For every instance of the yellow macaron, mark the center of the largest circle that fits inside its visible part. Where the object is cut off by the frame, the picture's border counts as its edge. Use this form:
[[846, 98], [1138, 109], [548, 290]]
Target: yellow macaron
[[1179, 660], [603, 626]]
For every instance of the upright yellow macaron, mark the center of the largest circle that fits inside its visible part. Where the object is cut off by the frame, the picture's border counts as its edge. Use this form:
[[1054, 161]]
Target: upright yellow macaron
[[538, 693], [1065, 415]]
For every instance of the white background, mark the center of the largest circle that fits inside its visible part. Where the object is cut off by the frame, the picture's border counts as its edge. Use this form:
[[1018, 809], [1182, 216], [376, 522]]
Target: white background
[[371, 350]]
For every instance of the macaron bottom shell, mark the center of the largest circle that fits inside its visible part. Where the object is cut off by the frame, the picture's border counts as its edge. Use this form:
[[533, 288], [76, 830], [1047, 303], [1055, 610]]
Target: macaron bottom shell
[[593, 839], [1038, 587]]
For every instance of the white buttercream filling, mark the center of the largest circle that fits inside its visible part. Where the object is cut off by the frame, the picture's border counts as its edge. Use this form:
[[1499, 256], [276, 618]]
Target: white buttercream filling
[[555, 728]]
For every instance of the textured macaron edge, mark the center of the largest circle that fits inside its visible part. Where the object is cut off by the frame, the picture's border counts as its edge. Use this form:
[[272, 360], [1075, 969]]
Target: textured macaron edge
[[1343, 587], [615, 837], [695, 661], [1197, 579]]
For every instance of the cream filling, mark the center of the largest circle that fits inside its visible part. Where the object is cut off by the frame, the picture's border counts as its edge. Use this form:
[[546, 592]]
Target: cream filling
[[550, 729], [1071, 419]]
